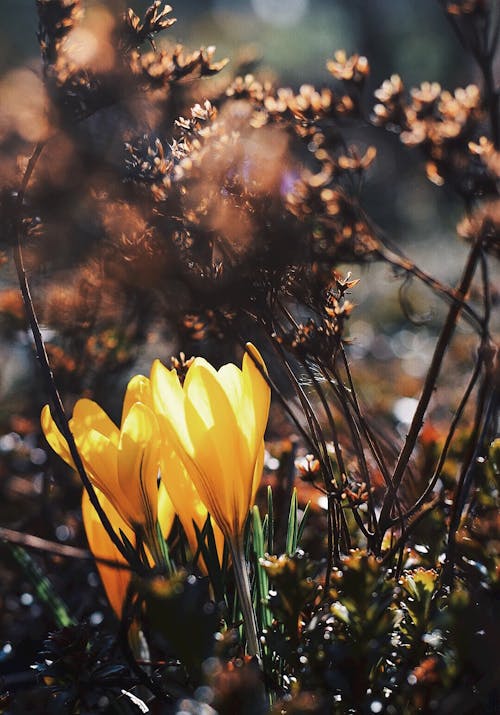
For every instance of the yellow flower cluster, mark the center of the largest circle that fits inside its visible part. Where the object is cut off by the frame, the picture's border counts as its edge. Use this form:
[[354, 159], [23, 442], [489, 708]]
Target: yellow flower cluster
[[188, 449]]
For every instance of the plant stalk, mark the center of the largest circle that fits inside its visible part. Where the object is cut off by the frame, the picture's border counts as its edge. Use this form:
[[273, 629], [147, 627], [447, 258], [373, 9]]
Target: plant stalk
[[243, 588], [430, 381]]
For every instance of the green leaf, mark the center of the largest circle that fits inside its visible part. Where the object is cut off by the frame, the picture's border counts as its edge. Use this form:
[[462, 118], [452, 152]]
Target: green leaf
[[43, 587], [165, 554], [291, 534], [269, 533], [263, 613], [208, 550], [303, 522]]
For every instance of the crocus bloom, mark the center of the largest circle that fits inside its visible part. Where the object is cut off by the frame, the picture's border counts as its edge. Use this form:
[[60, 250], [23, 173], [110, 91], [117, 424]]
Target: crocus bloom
[[215, 423], [181, 490], [123, 463]]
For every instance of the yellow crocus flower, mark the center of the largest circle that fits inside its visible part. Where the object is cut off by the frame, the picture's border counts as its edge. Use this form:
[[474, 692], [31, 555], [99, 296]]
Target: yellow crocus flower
[[123, 463], [215, 423], [181, 490]]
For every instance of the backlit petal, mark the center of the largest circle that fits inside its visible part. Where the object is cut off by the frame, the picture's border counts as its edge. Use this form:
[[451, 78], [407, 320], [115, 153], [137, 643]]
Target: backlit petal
[[215, 423], [138, 390], [166, 511], [169, 402], [54, 436], [115, 580], [138, 464], [219, 448], [186, 500], [257, 393], [257, 474], [87, 415], [99, 454], [231, 379]]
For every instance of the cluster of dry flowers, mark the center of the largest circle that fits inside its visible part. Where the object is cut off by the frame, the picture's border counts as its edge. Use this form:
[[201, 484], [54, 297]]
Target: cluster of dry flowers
[[211, 213]]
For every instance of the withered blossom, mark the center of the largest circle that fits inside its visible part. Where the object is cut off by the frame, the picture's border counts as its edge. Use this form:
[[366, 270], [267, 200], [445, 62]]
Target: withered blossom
[[248, 87], [154, 21], [488, 155], [391, 107], [484, 223], [308, 105], [442, 124], [307, 467], [163, 67], [56, 19], [349, 69]]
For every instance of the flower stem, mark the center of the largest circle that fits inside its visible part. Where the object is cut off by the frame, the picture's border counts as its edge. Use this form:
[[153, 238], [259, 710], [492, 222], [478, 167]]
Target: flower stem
[[243, 588]]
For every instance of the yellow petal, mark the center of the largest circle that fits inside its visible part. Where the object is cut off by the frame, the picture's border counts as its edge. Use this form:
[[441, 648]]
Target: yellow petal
[[185, 498], [54, 436], [178, 450], [256, 390], [87, 415], [257, 475], [99, 456], [139, 463], [115, 580], [220, 453], [169, 401], [255, 407], [166, 511], [231, 379], [187, 503], [138, 390]]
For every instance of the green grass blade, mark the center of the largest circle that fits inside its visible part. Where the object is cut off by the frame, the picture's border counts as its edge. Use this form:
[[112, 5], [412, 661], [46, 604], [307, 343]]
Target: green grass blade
[[303, 522], [44, 589], [247, 541], [208, 550], [291, 534], [261, 580], [165, 553], [270, 521], [265, 530]]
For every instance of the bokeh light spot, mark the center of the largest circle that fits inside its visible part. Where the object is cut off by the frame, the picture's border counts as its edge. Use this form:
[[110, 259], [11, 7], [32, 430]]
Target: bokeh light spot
[[279, 13]]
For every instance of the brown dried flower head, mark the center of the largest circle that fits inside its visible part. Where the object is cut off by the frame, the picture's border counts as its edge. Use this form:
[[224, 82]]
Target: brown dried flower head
[[349, 69], [391, 107], [484, 223], [307, 467], [488, 155]]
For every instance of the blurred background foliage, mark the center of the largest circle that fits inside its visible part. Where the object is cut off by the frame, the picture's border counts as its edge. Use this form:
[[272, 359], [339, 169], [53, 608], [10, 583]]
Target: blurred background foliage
[[289, 42]]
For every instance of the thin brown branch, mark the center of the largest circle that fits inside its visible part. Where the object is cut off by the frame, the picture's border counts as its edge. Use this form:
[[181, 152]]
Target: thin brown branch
[[482, 422], [30, 541], [430, 381], [336, 446], [449, 437], [408, 529], [46, 369], [360, 454], [38, 544]]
